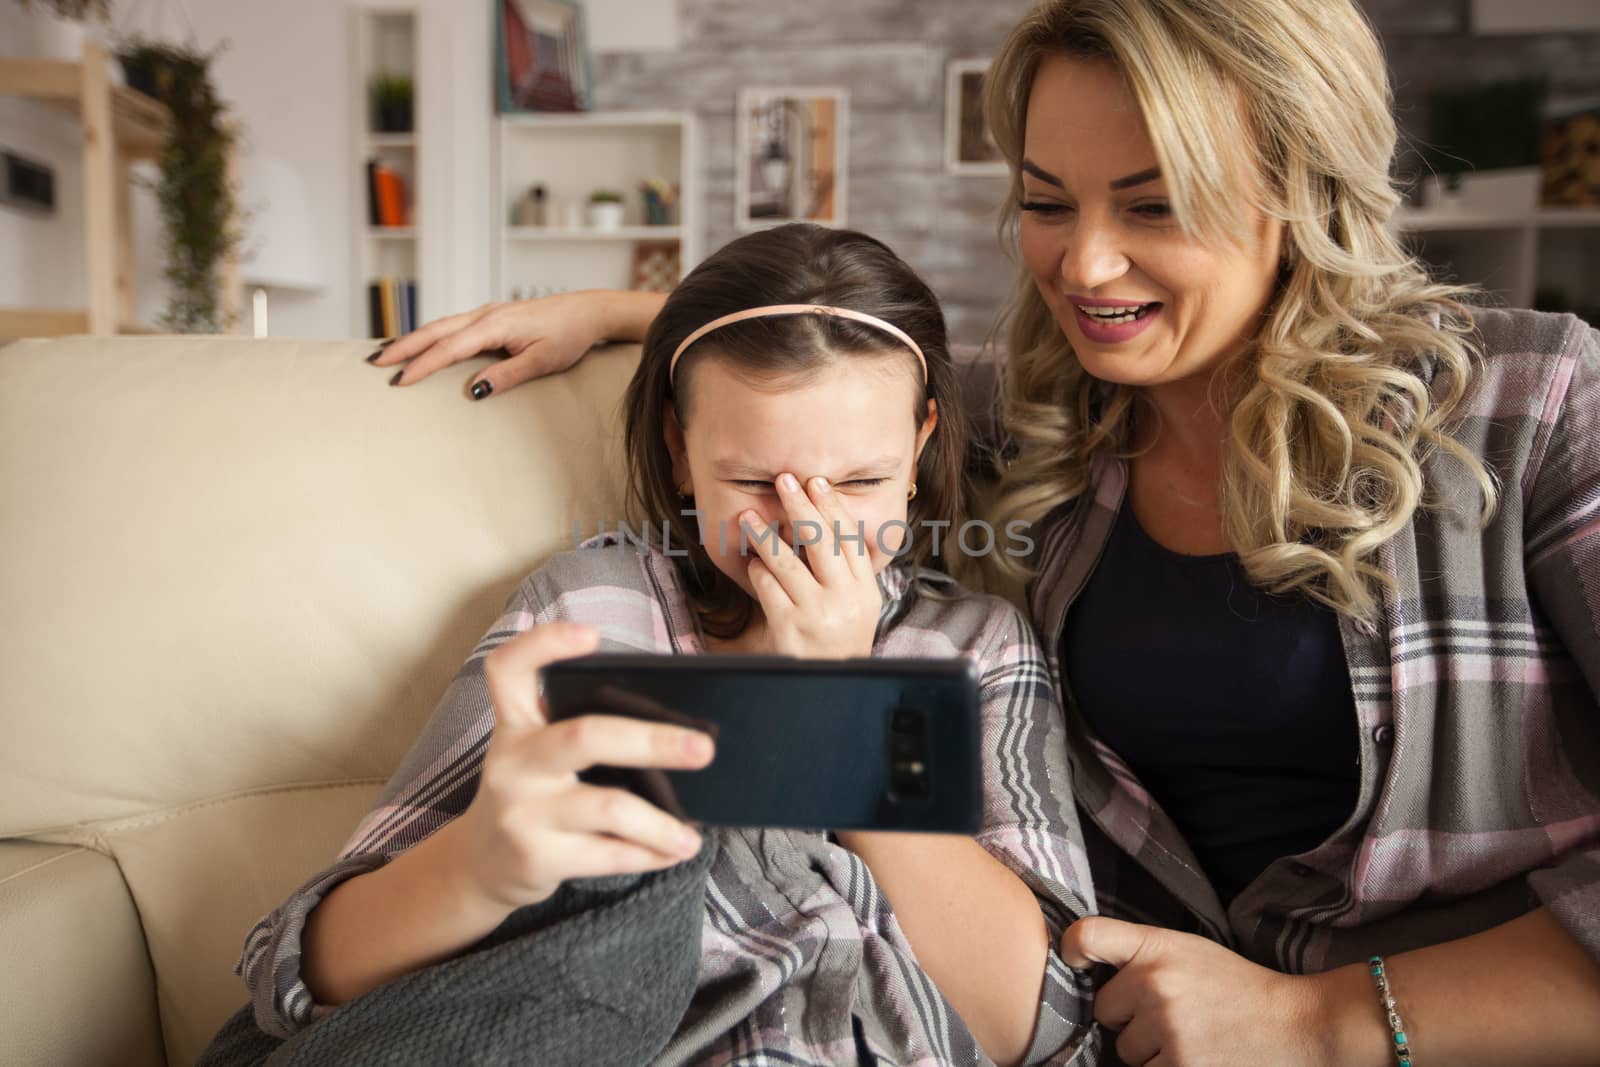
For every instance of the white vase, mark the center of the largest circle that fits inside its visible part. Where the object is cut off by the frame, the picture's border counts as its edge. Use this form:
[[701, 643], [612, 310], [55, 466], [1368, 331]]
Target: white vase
[[605, 216], [46, 36], [49, 37]]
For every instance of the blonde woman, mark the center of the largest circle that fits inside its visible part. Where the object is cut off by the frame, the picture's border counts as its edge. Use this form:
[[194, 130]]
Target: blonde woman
[[1318, 550]]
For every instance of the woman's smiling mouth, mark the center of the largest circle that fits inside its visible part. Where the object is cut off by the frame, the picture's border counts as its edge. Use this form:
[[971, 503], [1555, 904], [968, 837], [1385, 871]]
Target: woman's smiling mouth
[[1113, 321]]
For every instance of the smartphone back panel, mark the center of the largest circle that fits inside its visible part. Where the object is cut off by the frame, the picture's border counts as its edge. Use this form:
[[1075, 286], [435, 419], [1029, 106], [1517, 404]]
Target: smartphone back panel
[[869, 744]]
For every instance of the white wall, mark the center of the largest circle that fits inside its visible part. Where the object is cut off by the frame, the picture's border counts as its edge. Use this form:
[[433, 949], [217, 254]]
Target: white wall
[[286, 76], [282, 75], [632, 25]]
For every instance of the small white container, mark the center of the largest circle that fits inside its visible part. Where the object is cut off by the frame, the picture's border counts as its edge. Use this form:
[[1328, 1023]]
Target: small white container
[[605, 216], [1510, 191]]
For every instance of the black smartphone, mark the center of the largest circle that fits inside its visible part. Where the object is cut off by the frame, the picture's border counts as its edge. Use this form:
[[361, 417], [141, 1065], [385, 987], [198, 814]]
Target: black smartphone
[[861, 744]]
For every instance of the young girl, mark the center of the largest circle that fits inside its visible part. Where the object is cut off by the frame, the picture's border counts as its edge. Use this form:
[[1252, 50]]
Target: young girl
[[797, 381]]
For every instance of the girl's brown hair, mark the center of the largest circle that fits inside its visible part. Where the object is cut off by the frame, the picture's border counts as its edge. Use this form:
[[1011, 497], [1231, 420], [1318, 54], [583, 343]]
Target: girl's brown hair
[[794, 264]]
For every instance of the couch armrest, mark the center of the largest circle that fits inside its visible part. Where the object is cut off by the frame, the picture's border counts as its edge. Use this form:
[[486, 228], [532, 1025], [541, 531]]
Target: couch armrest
[[76, 984]]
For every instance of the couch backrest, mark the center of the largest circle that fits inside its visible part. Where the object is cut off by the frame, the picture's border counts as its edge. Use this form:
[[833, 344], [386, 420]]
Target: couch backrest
[[237, 576]]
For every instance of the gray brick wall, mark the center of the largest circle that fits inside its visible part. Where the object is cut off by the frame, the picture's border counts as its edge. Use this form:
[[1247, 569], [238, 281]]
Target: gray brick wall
[[891, 55]]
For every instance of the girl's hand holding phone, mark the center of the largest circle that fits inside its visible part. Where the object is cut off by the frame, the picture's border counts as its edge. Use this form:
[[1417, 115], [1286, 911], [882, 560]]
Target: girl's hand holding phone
[[826, 605], [533, 824]]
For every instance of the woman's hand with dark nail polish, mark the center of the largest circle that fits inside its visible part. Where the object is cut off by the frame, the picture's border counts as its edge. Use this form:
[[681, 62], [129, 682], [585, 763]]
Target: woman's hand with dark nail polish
[[482, 389], [396, 379]]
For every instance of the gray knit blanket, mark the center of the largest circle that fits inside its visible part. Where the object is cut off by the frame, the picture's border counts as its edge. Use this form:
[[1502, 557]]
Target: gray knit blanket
[[601, 973]]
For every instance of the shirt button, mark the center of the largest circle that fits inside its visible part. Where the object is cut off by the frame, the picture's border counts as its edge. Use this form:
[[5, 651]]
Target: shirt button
[[1380, 734]]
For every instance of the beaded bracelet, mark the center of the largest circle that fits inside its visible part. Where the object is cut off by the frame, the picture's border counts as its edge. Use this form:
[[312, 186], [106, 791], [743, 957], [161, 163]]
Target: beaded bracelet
[[1402, 1050]]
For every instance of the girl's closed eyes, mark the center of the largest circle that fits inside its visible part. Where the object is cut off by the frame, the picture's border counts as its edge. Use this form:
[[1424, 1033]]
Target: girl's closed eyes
[[767, 487]]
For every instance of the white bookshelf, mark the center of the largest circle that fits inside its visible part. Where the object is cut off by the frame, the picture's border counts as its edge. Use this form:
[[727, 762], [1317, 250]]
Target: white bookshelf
[[1511, 253], [384, 40], [572, 155]]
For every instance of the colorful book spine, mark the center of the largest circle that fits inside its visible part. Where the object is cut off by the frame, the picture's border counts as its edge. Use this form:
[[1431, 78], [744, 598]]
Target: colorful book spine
[[391, 306], [391, 321], [389, 204], [375, 310]]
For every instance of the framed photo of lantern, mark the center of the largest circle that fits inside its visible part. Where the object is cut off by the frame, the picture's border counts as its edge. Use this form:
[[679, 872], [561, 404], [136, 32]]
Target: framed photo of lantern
[[792, 157]]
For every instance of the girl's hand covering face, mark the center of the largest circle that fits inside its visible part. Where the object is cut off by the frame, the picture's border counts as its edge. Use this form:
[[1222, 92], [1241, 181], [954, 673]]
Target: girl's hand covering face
[[825, 604]]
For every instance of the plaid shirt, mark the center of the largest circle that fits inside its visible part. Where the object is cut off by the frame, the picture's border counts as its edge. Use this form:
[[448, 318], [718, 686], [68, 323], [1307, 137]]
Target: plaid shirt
[[797, 943], [1475, 698]]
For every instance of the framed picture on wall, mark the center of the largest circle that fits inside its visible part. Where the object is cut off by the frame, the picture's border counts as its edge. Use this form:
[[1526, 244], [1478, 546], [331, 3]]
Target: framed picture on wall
[[792, 157], [968, 148], [541, 56]]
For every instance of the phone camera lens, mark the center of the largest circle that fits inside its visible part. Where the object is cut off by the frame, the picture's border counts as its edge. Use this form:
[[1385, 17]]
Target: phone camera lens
[[909, 781], [908, 755]]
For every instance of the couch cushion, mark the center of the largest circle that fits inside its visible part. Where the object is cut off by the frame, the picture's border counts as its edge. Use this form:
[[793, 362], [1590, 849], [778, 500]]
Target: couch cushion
[[76, 987], [233, 564], [202, 875]]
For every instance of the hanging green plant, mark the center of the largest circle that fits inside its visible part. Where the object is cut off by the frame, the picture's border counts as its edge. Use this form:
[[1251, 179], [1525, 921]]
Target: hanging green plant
[[197, 199]]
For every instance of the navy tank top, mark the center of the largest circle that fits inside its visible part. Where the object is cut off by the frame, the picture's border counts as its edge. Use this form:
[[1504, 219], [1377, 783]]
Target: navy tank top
[[1231, 706]]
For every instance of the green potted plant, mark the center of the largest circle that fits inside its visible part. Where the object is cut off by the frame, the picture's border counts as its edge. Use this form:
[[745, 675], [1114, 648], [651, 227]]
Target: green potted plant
[[155, 68], [391, 103], [196, 196], [1483, 145], [605, 209]]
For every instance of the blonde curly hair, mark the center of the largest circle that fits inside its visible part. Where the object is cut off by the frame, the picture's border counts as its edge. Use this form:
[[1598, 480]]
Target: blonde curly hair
[[1323, 462]]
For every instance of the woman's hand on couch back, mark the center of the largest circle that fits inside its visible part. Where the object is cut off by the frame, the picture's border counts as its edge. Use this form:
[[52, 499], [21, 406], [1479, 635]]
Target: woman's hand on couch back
[[532, 337]]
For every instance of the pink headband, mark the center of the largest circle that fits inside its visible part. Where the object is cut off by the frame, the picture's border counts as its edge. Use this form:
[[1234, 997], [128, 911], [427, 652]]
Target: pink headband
[[799, 309]]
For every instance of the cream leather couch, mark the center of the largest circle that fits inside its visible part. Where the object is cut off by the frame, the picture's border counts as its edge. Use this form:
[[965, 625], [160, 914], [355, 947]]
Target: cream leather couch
[[236, 576]]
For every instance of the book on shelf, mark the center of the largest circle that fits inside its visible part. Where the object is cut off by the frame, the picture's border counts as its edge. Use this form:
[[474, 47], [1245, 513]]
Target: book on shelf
[[387, 197], [375, 311], [373, 218], [391, 306]]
